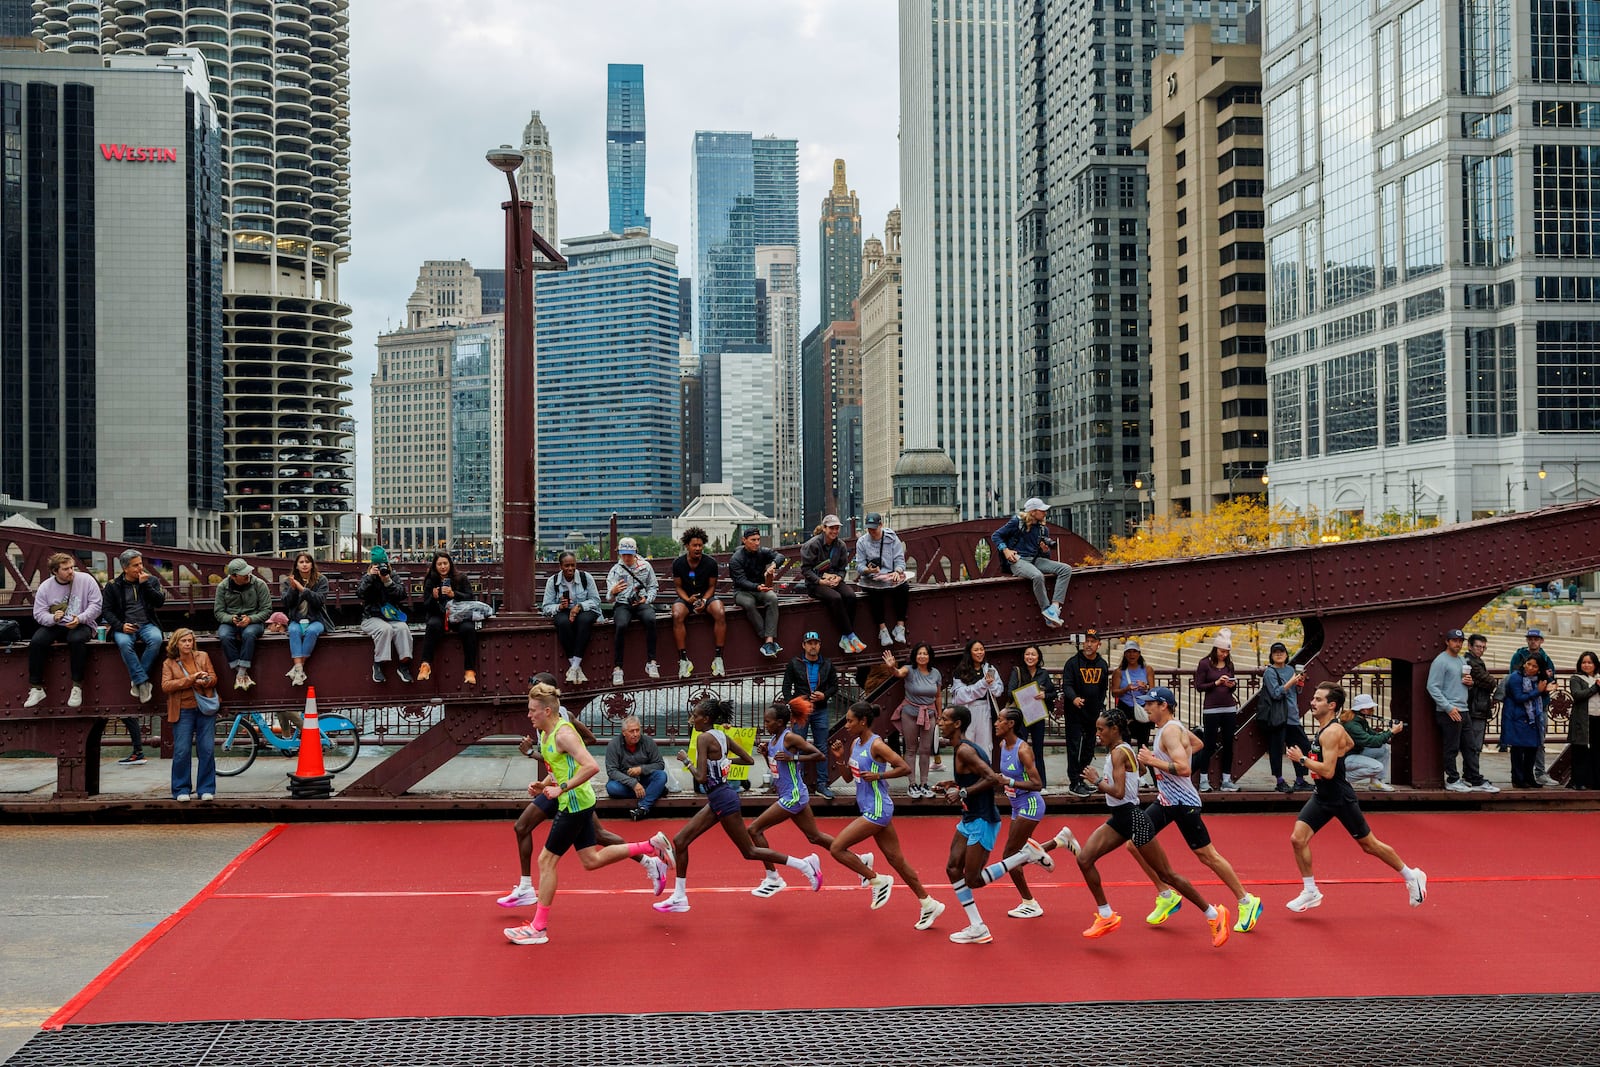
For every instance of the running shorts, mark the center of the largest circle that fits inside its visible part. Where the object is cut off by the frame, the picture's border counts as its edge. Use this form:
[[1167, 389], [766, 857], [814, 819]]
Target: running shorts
[[570, 829], [1187, 819], [979, 832], [1318, 813]]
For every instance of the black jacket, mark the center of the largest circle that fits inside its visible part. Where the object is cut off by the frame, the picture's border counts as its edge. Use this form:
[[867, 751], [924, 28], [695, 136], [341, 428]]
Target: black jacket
[[818, 558], [749, 569], [797, 681], [374, 594], [151, 595], [315, 599], [435, 606], [1088, 679]]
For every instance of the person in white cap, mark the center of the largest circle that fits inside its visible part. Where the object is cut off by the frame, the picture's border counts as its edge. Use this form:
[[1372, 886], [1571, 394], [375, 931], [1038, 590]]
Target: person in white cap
[[823, 562], [1368, 762], [881, 573], [631, 587], [1218, 683], [1024, 544]]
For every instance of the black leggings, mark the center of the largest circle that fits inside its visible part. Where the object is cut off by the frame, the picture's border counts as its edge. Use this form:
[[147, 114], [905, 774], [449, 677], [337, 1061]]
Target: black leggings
[[574, 633], [1277, 737], [898, 598], [840, 600], [77, 639], [626, 613], [1217, 733], [467, 631], [1522, 765]]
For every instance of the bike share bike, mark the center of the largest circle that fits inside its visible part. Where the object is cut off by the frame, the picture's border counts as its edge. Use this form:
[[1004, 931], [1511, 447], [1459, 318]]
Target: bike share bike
[[239, 741]]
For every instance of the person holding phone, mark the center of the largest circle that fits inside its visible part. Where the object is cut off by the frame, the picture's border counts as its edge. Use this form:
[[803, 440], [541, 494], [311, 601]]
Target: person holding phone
[[444, 586], [881, 575], [572, 602], [383, 618], [974, 686], [1218, 684], [631, 586], [305, 599], [187, 672], [1278, 708]]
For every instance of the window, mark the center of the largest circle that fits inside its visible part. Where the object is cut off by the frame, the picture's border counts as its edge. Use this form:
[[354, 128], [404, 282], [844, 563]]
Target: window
[[1488, 209], [1566, 196], [1286, 415], [1486, 46], [1568, 372], [1491, 366], [1424, 304], [1246, 408], [1351, 402], [1425, 388], [1566, 290], [1566, 41]]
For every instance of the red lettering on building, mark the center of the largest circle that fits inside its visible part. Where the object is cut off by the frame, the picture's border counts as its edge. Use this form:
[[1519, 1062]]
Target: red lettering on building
[[127, 153]]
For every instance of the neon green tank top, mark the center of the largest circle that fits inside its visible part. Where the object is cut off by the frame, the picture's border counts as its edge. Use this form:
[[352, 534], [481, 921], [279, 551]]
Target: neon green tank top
[[563, 767]]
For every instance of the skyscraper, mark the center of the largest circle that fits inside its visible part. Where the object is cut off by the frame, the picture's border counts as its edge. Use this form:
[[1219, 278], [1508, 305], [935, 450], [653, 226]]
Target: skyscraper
[[775, 180], [882, 403], [778, 268], [280, 77], [536, 178], [748, 455], [625, 146], [839, 249], [958, 195]]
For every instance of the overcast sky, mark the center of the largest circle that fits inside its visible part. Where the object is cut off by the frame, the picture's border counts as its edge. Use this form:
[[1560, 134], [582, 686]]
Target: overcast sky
[[434, 84]]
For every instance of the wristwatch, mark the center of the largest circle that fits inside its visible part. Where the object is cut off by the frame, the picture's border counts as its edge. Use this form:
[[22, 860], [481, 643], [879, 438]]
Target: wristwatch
[[962, 793]]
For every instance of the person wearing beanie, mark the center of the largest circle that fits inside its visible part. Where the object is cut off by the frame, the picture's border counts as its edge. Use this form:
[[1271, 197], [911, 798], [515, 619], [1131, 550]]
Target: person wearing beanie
[[1218, 684]]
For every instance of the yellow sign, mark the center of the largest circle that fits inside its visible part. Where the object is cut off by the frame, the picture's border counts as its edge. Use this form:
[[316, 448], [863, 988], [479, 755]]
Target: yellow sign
[[745, 736]]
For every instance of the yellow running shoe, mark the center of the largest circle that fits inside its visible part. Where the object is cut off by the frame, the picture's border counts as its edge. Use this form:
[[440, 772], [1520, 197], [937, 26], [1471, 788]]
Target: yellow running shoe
[[1249, 914], [1166, 905], [1103, 925]]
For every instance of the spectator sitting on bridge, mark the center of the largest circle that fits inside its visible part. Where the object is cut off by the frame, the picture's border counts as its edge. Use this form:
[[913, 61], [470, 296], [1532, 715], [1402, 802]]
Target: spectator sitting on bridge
[[383, 618], [881, 574], [1278, 709], [634, 768], [1480, 709], [1369, 753], [444, 586], [694, 578], [1217, 680], [812, 676], [242, 606], [305, 600], [1584, 685], [67, 608], [823, 561], [754, 570], [1522, 720], [1448, 679], [1024, 545], [1547, 673], [572, 602], [129, 615], [632, 587]]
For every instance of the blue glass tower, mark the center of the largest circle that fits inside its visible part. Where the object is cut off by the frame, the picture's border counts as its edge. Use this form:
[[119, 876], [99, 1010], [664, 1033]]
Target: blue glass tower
[[625, 145], [775, 165], [471, 476], [608, 417]]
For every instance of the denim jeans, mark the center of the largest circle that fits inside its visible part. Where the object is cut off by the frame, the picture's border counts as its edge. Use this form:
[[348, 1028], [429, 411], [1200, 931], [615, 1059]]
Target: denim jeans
[[193, 734], [1368, 763], [139, 665], [239, 645], [816, 731], [655, 784], [303, 638]]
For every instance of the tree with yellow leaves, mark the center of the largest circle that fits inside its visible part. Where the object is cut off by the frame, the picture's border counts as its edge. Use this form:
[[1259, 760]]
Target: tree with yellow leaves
[[1247, 524]]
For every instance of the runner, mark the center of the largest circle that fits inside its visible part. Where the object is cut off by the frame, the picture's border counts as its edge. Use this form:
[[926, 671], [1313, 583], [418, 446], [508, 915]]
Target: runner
[[1334, 798], [871, 761], [1178, 803], [714, 753], [973, 788], [1021, 779], [571, 765], [525, 894], [784, 749]]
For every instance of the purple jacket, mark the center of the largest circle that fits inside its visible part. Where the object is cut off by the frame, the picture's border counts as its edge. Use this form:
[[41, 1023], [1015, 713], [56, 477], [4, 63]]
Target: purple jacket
[[82, 597], [1216, 697]]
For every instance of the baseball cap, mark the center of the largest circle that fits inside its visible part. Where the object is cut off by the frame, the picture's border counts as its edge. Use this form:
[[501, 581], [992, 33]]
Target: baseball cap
[[238, 566], [1454, 635], [1133, 645], [1363, 702], [831, 520], [1535, 632], [874, 520], [1163, 694], [811, 635], [1033, 503], [1090, 632], [627, 547], [1278, 646]]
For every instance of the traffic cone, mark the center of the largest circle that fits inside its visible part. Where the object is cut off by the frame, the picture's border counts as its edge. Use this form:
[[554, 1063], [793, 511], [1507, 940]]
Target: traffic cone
[[310, 778]]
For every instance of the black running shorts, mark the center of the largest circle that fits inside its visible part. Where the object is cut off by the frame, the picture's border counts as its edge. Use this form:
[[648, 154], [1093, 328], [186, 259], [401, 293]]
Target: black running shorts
[[1187, 819], [1318, 813], [570, 829]]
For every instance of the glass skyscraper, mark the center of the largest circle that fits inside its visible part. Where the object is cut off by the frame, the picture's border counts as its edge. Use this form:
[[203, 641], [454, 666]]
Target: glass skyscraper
[[775, 177], [472, 445], [625, 145], [608, 414]]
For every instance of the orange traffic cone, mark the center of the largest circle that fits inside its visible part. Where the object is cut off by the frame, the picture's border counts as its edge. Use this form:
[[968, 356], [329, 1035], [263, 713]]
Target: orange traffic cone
[[310, 778]]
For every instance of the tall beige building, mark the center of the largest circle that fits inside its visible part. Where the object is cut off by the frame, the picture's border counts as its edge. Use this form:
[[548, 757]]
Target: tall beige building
[[448, 291], [537, 178], [1208, 380], [882, 403]]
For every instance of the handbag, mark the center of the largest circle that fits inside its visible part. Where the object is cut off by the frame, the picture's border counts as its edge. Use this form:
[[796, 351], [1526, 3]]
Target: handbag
[[205, 705], [390, 613]]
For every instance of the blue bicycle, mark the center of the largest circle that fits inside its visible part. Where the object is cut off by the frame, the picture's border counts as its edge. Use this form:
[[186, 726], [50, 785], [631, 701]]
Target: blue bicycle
[[239, 739]]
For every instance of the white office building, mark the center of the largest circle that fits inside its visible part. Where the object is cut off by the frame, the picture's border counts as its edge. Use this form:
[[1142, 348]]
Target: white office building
[[747, 417]]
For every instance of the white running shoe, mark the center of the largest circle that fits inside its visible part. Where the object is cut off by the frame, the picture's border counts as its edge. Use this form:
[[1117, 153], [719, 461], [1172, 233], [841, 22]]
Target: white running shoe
[[929, 914], [1037, 854], [770, 886], [671, 904], [813, 871], [75, 698], [716, 667], [881, 887], [182, 798], [884, 638], [36, 696], [208, 796], [520, 897], [685, 667], [525, 935], [656, 871], [582, 679], [1065, 839], [652, 669], [572, 674], [1308, 899], [1458, 786], [1486, 786], [899, 633], [663, 846], [976, 934], [616, 675], [867, 858], [1028, 909], [1417, 888], [1378, 785]]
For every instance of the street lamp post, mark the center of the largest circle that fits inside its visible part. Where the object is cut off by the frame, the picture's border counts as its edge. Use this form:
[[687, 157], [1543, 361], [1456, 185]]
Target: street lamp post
[[520, 399], [1543, 474]]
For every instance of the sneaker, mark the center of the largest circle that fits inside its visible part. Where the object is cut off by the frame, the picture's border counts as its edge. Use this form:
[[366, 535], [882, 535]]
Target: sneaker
[[776, 648], [860, 645], [976, 934], [469, 678], [671, 904], [135, 760], [525, 935], [1230, 786], [1249, 914], [147, 691], [616, 675], [1205, 785], [1283, 786], [1103, 925], [75, 698], [900, 633], [238, 678], [520, 897], [768, 649], [685, 667], [582, 679], [846, 645], [1052, 617], [1167, 905], [1458, 786], [424, 672], [716, 667], [182, 798], [867, 858], [883, 637], [208, 796], [1300, 786], [377, 673], [652, 669], [928, 914], [1417, 888], [572, 674], [1543, 779], [1486, 786], [663, 846], [881, 887], [1083, 789], [823, 792], [1037, 854], [401, 671], [1028, 909], [133, 690], [1219, 927], [770, 886], [1065, 839], [813, 871], [638, 813], [656, 871], [1308, 899]]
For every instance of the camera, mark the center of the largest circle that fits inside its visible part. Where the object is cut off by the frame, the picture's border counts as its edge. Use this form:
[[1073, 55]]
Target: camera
[[383, 569]]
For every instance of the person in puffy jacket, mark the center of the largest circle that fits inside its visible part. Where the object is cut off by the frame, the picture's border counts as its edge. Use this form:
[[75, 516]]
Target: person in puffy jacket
[[1522, 720]]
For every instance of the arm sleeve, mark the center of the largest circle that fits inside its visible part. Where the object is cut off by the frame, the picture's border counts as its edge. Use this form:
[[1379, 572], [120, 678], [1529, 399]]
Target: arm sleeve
[[216, 605], [155, 590], [1272, 685], [592, 591], [897, 555], [790, 688], [261, 601], [92, 602], [1068, 693], [41, 603], [613, 576], [1436, 686], [736, 571], [652, 582], [810, 556], [1203, 679], [828, 678]]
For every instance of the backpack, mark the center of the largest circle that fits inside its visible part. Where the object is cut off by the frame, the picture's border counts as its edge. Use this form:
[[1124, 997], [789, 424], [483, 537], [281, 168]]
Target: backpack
[[1500, 688]]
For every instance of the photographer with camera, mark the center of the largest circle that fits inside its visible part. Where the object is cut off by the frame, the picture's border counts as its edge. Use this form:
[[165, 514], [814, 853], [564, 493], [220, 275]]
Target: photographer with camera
[[1024, 544], [881, 574], [631, 587], [383, 617]]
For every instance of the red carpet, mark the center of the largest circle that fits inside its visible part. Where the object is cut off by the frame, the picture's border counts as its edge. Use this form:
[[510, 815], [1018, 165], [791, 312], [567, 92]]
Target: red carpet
[[391, 920]]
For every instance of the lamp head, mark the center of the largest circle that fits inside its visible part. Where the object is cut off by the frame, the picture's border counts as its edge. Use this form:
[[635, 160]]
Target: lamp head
[[1542, 473], [504, 159], [1264, 479], [1138, 483]]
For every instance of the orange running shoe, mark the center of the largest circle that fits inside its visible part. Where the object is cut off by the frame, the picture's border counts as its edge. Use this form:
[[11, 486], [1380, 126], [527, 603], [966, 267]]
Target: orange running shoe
[[1219, 927], [1103, 925], [424, 672]]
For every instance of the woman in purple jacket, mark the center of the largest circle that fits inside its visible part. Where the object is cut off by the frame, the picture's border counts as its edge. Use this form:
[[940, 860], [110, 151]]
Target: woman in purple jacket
[[1219, 710]]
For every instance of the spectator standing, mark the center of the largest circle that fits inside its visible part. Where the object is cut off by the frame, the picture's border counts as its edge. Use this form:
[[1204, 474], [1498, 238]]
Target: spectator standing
[[1131, 684], [634, 768], [67, 608], [823, 563], [694, 577], [881, 574], [128, 611], [187, 677], [383, 618], [1084, 683], [1448, 679], [1522, 720], [1032, 671], [1369, 753], [1547, 673], [572, 602], [754, 571], [632, 586], [242, 605], [1278, 708], [1218, 683], [813, 676], [1584, 721], [305, 601], [1024, 544], [974, 685], [1575, 590], [918, 714], [444, 586], [1480, 708]]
